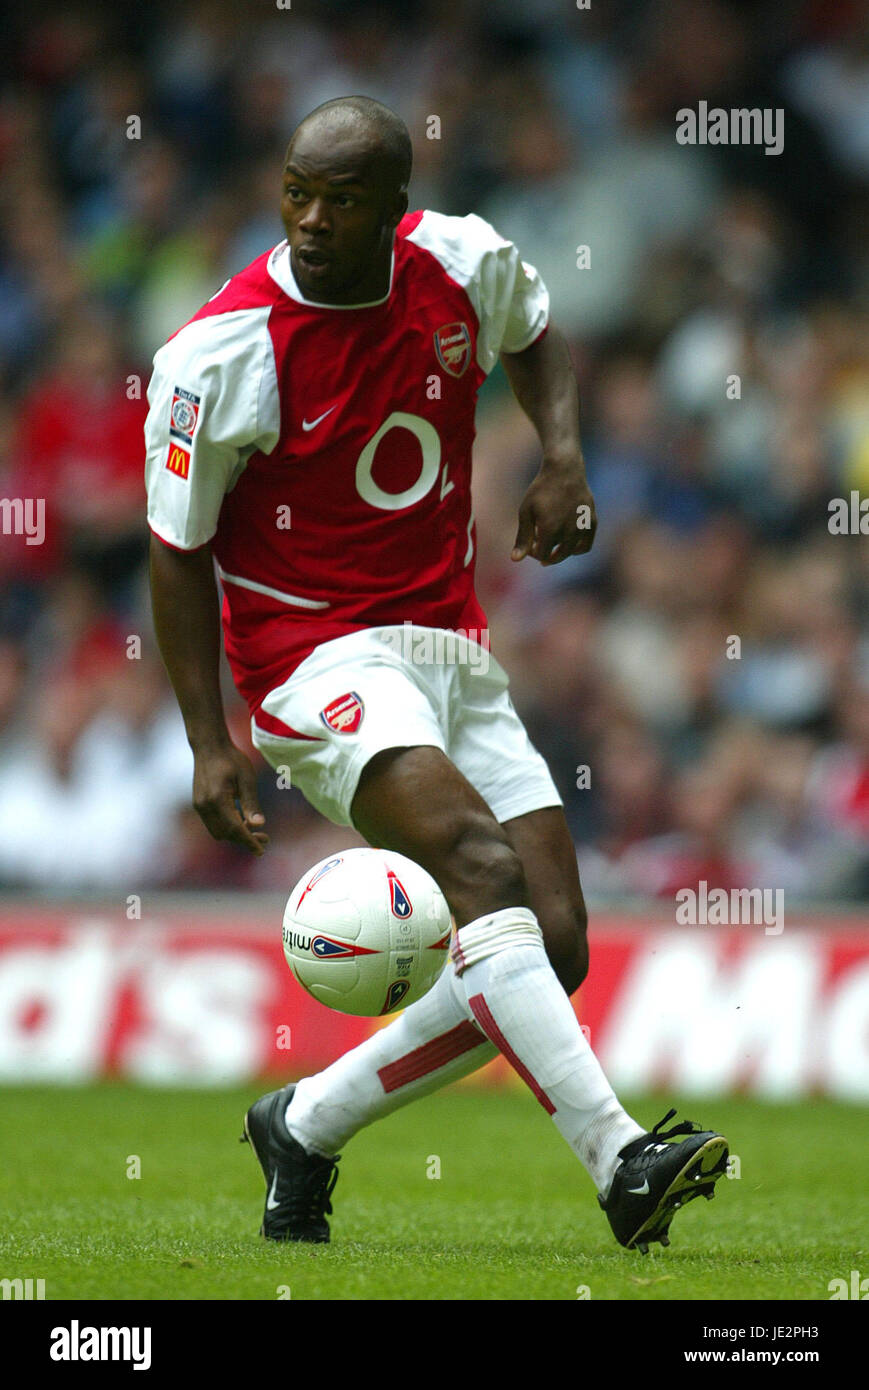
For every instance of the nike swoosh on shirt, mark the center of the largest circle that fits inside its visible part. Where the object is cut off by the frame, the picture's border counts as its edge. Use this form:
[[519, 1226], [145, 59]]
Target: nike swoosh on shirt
[[310, 424]]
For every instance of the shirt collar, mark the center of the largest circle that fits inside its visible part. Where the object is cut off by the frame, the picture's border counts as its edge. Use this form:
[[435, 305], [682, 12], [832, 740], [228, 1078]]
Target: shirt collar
[[281, 270]]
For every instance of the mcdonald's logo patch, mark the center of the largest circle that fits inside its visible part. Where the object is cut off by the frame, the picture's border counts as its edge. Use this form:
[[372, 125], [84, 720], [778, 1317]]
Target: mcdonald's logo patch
[[178, 461]]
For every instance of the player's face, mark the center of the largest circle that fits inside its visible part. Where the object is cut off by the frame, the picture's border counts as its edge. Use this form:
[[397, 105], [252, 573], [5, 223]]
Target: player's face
[[339, 214]]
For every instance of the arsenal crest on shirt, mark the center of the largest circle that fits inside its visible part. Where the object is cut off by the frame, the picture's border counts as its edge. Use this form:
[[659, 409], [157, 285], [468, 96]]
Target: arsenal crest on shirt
[[344, 715], [453, 347]]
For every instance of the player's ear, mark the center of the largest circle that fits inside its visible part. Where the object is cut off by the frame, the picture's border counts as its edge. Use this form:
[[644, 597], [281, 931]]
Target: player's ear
[[399, 207]]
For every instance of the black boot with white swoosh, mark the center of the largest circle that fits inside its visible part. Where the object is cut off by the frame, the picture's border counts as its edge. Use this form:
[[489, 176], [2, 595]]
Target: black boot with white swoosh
[[655, 1178], [298, 1184]]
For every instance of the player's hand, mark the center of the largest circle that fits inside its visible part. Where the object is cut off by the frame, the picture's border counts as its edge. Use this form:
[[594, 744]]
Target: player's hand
[[224, 795], [557, 517]]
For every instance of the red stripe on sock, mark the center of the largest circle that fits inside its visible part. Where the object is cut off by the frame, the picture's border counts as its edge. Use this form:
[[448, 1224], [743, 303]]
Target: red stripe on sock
[[433, 1054], [457, 955], [482, 1014]]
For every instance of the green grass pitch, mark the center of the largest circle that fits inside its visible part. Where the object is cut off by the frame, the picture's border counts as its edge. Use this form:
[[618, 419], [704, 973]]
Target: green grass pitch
[[511, 1216]]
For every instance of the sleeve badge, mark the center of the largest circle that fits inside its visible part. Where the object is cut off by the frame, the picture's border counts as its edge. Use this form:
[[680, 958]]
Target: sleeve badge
[[184, 415]]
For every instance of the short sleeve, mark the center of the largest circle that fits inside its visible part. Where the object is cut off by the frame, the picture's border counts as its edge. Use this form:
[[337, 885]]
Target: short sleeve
[[509, 297], [513, 300], [528, 316], [213, 401]]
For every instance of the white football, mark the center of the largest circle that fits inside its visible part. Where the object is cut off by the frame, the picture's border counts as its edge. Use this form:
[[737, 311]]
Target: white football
[[366, 931]]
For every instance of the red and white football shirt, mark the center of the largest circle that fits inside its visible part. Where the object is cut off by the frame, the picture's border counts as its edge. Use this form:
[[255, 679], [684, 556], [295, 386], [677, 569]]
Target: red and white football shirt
[[325, 451]]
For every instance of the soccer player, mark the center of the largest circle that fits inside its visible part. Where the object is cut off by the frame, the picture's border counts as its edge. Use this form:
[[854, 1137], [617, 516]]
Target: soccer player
[[310, 430]]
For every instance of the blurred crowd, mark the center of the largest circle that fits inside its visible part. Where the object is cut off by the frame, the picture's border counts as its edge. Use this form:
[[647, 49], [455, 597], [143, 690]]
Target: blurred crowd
[[700, 682]]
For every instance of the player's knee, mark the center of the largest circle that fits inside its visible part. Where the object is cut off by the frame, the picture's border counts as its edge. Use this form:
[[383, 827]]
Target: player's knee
[[503, 873], [485, 871]]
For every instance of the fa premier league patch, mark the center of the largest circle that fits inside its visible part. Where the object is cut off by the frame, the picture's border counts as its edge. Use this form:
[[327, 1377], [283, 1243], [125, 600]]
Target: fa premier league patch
[[453, 347], [344, 715], [182, 424], [184, 415]]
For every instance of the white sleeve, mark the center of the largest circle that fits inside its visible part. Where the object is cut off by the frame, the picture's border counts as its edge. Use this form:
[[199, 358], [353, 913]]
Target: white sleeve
[[514, 299], [213, 401], [510, 299]]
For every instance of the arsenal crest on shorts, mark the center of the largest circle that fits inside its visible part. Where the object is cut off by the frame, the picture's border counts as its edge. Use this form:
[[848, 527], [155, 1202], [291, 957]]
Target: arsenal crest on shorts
[[453, 347], [344, 715]]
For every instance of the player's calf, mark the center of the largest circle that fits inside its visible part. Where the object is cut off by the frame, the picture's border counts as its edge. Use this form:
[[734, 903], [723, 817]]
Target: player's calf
[[564, 928], [543, 842]]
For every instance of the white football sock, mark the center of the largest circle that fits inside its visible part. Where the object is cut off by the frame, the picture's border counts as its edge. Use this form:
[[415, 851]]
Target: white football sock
[[433, 1042], [516, 998]]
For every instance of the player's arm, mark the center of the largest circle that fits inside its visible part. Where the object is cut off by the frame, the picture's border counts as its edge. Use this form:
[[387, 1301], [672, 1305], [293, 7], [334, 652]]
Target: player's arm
[[187, 626], [557, 515], [213, 399]]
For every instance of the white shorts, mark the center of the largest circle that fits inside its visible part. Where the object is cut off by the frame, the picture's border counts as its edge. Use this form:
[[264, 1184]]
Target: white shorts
[[398, 687]]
